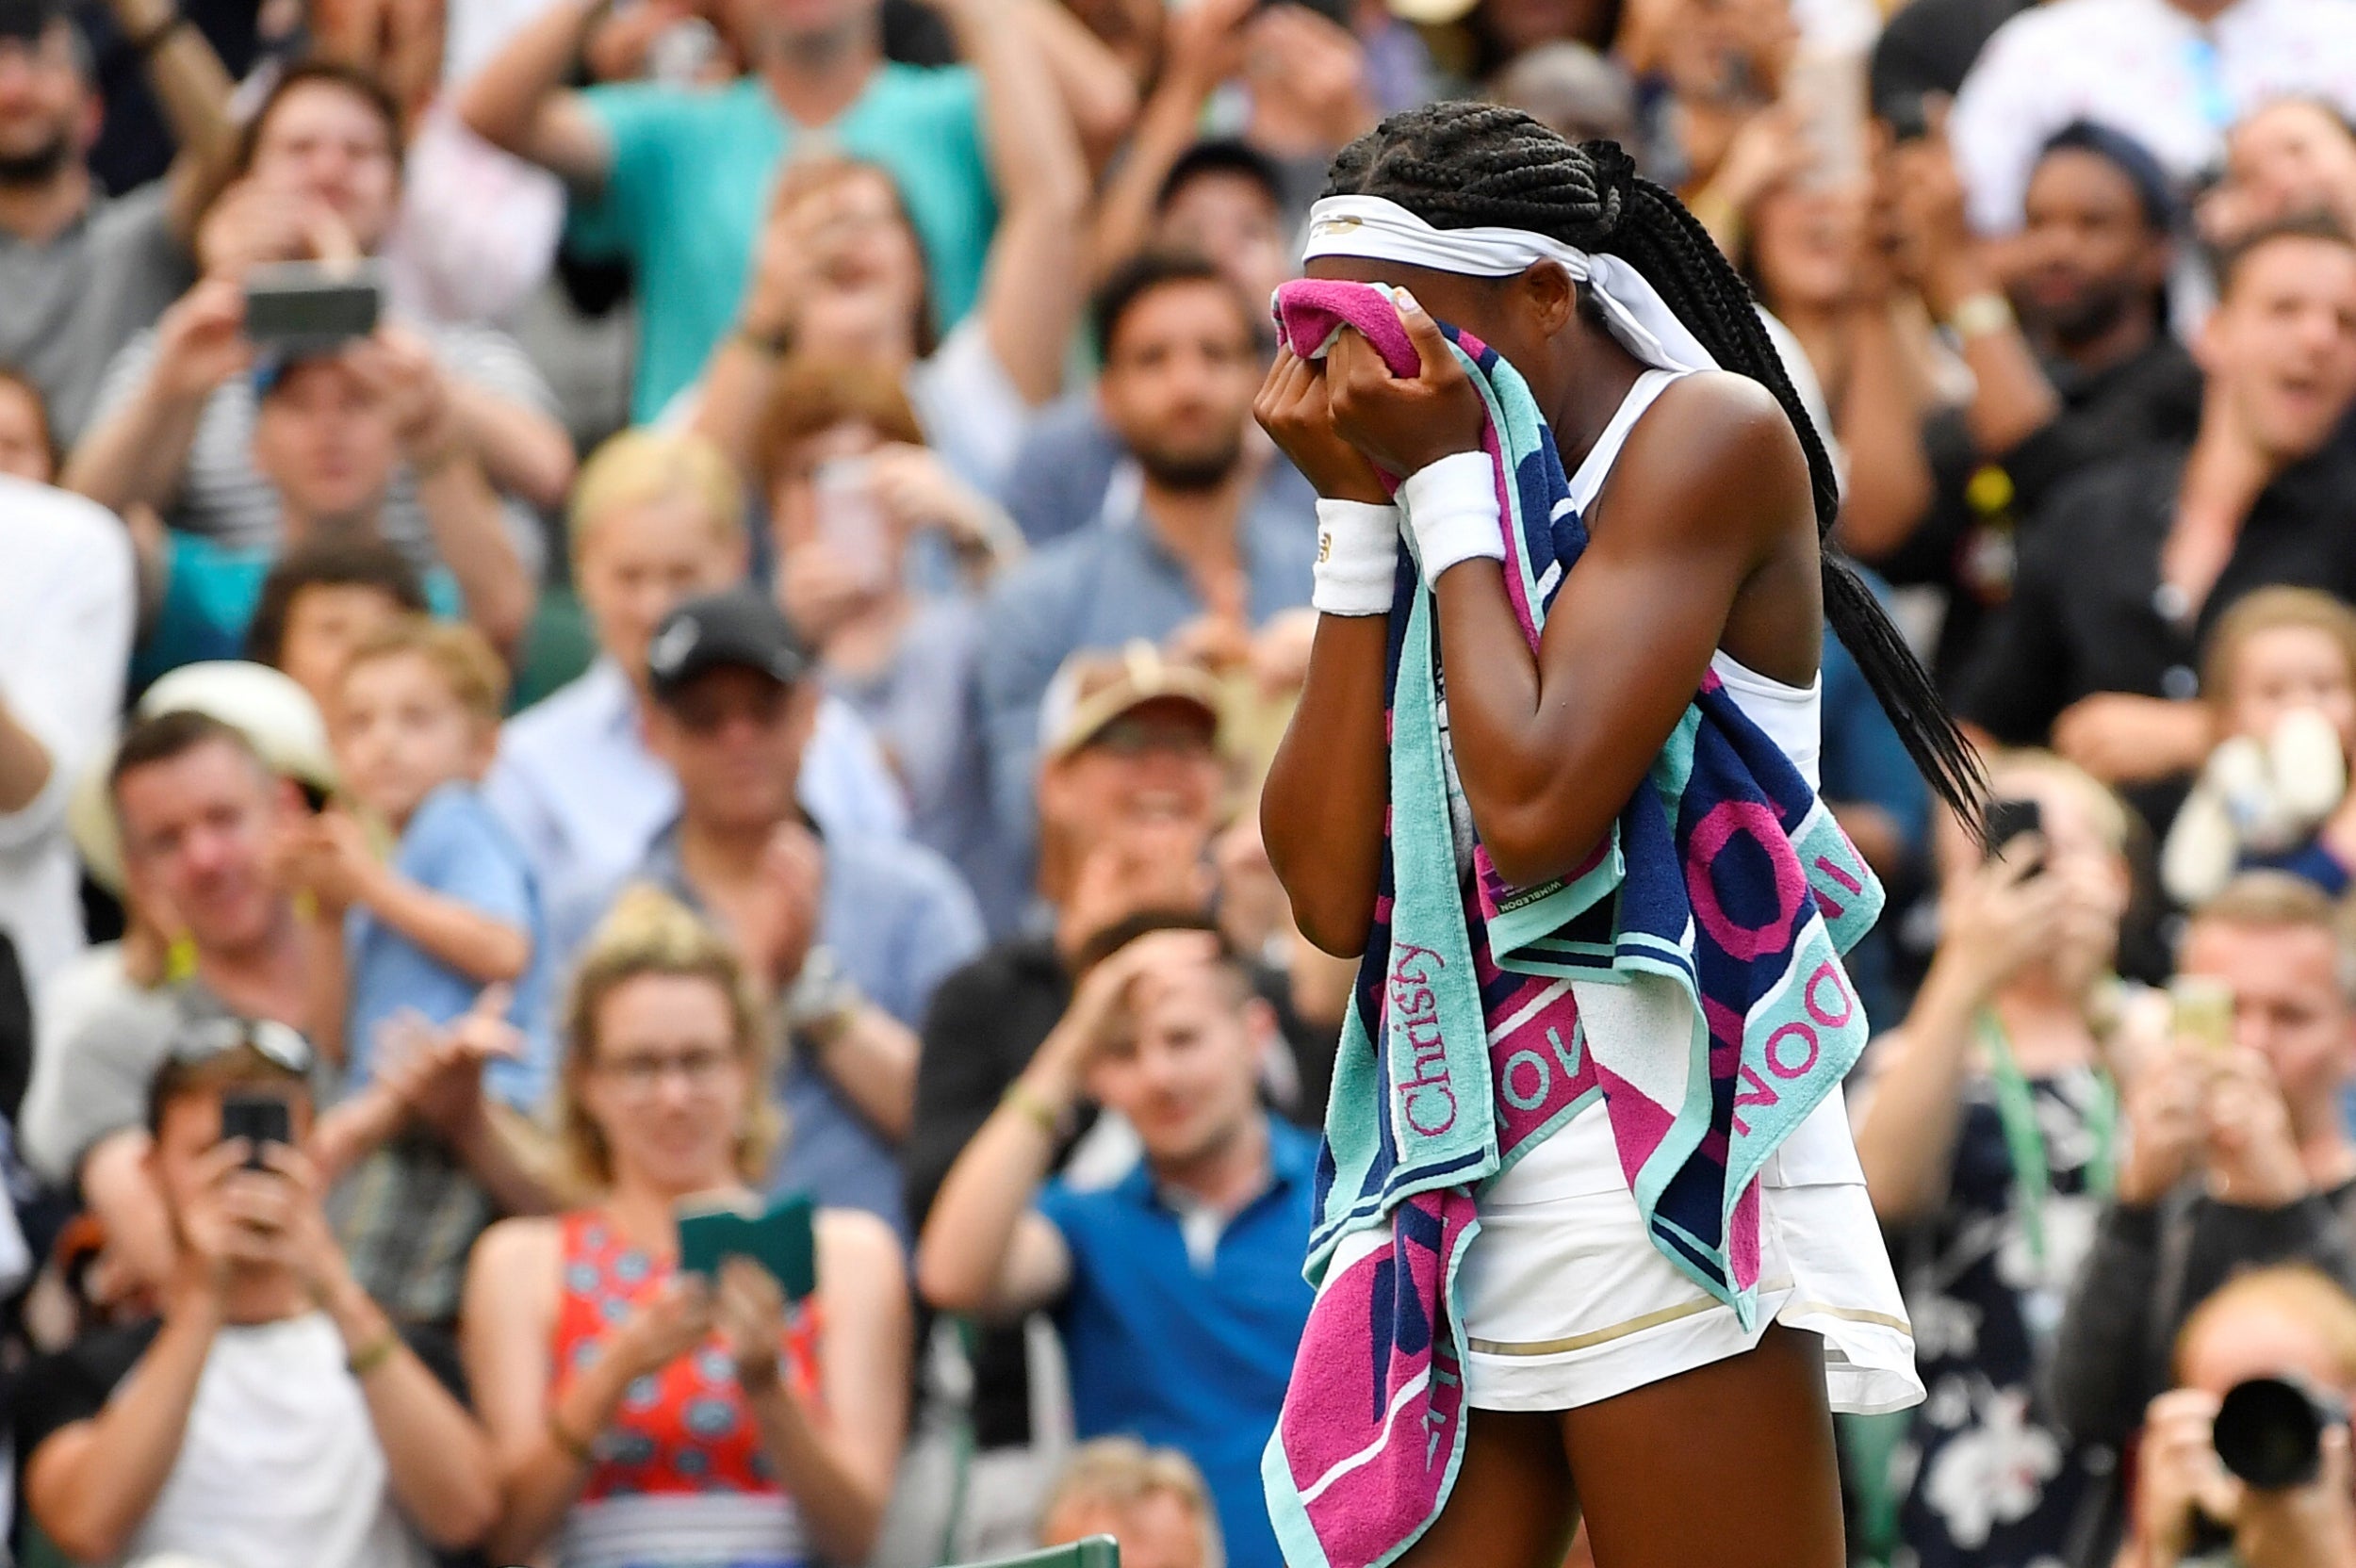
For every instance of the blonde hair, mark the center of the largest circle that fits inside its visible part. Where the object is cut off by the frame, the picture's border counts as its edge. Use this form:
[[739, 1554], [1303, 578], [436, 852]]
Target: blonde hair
[[1118, 1473], [640, 467], [2273, 609], [2297, 1291], [2278, 901], [462, 657], [648, 932]]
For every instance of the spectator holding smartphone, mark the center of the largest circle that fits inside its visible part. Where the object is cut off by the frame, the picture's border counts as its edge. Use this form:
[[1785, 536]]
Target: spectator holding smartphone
[[2235, 1153], [1987, 1135], [273, 1417], [639, 1415]]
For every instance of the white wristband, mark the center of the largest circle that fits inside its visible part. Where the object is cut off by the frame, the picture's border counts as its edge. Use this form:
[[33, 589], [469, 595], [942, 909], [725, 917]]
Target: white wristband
[[1357, 566], [1453, 507]]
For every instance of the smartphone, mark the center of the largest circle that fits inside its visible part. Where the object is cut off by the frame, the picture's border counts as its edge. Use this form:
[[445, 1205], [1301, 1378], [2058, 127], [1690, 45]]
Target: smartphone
[[2007, 820], [258, 1118], [2202, 1011], [310, 307], [851, 521], [1908, 117], [1096, 1551], [1827, 86], [782, 1238]]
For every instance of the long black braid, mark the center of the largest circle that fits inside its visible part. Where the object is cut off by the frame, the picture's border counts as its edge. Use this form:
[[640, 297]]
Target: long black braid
[[1470, 165]]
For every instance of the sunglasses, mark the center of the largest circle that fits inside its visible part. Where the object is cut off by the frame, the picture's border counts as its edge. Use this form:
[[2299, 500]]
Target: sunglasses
[[276, 1043]]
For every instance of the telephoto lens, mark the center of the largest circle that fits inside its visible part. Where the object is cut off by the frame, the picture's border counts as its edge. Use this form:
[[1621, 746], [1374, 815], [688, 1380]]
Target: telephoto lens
[[2269, 1430]]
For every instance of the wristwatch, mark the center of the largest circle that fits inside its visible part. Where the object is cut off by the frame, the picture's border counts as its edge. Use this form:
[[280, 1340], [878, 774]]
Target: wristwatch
[[1978, 315]]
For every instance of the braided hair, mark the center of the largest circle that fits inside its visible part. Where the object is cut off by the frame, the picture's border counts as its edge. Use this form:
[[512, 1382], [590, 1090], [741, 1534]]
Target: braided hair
[[1468, 165]]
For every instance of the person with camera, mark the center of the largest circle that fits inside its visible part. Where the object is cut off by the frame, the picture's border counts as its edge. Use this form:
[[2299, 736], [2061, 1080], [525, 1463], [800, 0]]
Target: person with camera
[[641, 1415], [2228, 1478], [1985, 1130], [274, 1417], [2235, 1154]]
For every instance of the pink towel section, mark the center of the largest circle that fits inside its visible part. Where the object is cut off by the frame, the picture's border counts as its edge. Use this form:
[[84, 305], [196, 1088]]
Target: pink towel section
[[1309, 311]]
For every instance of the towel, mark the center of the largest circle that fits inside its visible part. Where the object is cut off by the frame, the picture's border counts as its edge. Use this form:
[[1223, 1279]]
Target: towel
[[1688, 975]]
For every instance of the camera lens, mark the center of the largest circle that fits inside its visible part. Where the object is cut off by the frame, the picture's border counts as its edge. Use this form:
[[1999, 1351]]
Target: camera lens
[[2269, 1431]]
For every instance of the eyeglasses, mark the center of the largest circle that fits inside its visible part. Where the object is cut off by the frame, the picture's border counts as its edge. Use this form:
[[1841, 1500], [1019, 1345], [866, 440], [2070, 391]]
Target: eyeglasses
[[277, 1044], [641, 1075]]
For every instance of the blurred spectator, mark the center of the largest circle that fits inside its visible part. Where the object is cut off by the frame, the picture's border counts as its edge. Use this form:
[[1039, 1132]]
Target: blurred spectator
[[677, 180], [2065, 332], [856, 501], [2292, 157], [1206, 546], [318, 176], [2230, 1159], [331, 435], [323, 599], [273, 1417], [1177, 1288], [1128, 792], [2290, 1323], [1926, 49], [837, 273], [2175, 75], [2279, 684], [201, 820], [81, 271], [847, 934], [67, 601], [1581, 94], [655, 519], [629, 1404], [448, 928], [2130, 563], [1152, 1501], [1987, 1133], [1223, 200]]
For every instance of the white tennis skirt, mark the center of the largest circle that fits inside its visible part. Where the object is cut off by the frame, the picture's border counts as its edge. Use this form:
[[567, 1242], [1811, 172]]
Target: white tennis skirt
[[1566, 1301]]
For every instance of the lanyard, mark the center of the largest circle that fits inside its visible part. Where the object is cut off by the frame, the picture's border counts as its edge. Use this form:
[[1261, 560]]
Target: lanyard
[[2024, 1142]]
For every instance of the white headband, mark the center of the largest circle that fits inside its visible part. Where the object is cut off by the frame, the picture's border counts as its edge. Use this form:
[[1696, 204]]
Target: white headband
[[1374, 229]]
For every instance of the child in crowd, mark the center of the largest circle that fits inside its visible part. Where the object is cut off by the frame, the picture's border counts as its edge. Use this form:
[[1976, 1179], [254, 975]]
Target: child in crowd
[[322, 599], [2281, 680], [448, 931]]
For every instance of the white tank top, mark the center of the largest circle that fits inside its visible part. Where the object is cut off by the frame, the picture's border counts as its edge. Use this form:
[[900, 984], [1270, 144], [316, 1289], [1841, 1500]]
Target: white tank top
[[1791, 716]]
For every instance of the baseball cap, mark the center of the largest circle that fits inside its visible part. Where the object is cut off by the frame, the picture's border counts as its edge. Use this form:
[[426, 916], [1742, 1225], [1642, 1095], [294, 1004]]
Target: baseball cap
[[738, 628], [1095, 687], [273, 710]]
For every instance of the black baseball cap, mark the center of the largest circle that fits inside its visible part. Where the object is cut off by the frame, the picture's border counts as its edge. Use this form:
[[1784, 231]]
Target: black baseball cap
[[740, 628]]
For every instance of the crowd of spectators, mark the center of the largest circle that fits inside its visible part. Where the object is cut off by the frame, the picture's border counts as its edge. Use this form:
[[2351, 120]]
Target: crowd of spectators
[[743, 676]]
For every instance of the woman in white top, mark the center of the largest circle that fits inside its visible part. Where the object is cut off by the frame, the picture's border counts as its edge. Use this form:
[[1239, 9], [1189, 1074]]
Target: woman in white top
[[1704, 494]]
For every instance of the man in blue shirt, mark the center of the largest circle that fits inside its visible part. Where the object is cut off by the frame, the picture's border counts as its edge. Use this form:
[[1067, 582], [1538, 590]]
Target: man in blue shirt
[[848, 934], [677, 178], [1206, 545], [1178, 1288]]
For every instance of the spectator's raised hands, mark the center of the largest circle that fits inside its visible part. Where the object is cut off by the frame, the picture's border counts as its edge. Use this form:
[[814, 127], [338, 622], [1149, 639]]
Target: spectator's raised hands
[[2000, 917], [201, 342], [1308, 79], [212, 1235], [399, 366], [1092, 1025], [2253, 1151], [2178, 1474], [779, 923], [1205, 42], [254, 222], [1152, 864], [2163, 1121]]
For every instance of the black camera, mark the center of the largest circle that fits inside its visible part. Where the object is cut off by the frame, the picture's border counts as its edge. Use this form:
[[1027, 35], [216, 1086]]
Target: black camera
[[2269, 1430]]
